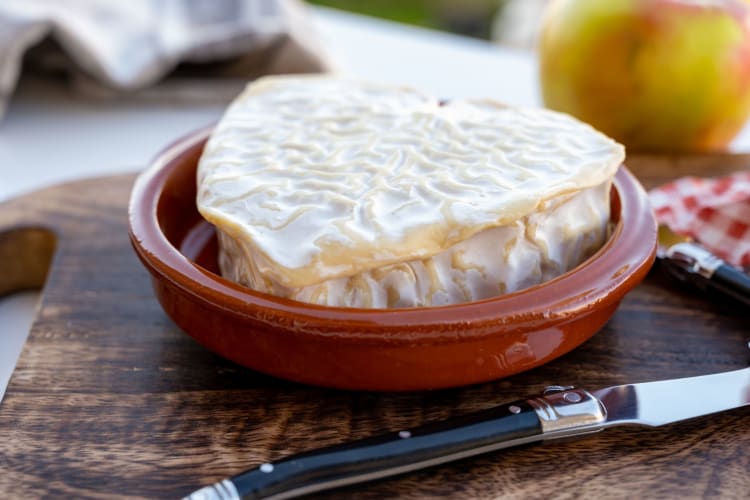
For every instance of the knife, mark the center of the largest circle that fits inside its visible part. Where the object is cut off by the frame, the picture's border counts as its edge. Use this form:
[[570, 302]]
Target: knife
[[691, 263], [559, 412]]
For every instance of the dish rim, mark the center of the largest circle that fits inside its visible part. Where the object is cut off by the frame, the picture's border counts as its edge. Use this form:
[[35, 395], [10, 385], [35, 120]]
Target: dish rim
[[623, 259]]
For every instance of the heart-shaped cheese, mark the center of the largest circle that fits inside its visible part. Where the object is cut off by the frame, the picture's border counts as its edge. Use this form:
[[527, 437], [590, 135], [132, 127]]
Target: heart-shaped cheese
[[317, 184]]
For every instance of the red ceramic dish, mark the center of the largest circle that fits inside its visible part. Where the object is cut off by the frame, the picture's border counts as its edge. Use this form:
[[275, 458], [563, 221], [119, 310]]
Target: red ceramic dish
[[397, 349]]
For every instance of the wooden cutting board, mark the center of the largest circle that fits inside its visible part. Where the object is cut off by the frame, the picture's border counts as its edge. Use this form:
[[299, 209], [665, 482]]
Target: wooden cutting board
[[111, 400]]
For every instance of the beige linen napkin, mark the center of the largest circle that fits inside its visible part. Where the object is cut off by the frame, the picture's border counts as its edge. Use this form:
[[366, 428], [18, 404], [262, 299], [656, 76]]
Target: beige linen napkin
[[109, 47]]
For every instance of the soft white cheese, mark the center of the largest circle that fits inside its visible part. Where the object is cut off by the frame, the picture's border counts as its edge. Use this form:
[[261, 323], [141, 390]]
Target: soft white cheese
[[342, 192]]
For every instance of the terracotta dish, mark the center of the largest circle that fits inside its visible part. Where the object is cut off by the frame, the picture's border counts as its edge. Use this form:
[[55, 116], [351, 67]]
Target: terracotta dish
[[374, 349]]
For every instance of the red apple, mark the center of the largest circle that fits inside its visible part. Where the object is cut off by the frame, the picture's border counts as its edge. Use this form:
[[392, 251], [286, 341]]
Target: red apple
[[657, 75]]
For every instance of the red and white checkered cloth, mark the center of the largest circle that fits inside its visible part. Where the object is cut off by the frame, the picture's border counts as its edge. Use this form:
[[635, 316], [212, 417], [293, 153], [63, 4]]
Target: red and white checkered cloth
[[714, 212]]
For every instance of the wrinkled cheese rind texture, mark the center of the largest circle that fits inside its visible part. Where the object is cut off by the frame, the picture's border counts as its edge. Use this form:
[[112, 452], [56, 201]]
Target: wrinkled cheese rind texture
[[316, 184]]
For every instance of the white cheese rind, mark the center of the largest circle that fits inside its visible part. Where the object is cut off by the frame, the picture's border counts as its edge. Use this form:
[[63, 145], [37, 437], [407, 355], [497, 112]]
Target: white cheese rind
[[498, 260], [317, 180]]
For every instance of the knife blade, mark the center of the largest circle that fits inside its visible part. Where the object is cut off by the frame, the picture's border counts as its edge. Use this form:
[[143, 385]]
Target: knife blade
[[561, 411]]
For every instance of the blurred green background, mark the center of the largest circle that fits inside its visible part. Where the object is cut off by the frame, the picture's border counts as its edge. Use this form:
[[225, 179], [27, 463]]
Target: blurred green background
[[465, 17]]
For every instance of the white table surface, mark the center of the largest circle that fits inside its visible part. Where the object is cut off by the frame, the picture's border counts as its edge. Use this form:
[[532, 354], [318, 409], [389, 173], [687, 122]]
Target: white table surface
[[94, 138]]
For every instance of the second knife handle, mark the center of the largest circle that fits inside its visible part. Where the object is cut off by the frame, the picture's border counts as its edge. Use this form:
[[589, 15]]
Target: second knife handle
[[693, 263], [733, 282]]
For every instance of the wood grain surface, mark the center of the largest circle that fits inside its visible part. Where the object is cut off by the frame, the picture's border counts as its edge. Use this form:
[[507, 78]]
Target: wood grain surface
[[111, 400]]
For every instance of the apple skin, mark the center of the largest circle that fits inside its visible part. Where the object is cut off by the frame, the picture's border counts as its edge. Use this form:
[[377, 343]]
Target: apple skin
[[656, 75]]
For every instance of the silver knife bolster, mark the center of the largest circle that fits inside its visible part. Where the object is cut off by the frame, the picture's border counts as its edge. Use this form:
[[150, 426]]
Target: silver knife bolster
[[694, 259], [567, 411]]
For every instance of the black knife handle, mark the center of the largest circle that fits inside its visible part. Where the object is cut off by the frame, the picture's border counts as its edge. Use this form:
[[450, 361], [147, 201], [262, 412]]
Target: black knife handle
[[733, 282], [694, 264], [389, 454]]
